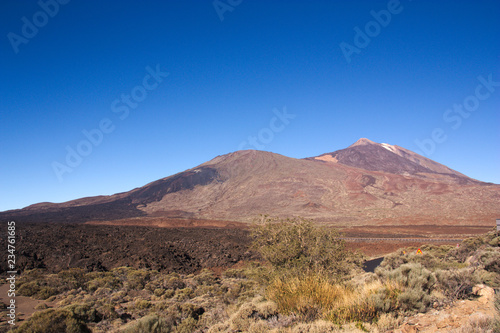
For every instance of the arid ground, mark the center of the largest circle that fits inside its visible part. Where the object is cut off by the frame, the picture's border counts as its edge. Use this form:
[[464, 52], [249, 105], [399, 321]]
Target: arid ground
[[184, 246], [188, 246]]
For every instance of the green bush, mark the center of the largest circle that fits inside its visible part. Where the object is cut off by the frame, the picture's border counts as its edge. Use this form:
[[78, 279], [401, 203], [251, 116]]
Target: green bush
[[235, 273], [40, 285], [158, 292], [183, 294], [36, 289], [149, 324], [108, 312], [467, 248], [457, 284], [142, 304], [433, 257], [53, 321], [173, 281], [250, 313], [385, 299], [417, 282], [106, 281], [83, 312], [296, 246], [137, 279], [72, 278], [206, 277], [188, 325], [169, 293], [28, 288], [489, 258]]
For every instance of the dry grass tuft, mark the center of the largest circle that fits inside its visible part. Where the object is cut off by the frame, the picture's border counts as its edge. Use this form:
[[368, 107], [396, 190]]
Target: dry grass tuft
[[314, 297]]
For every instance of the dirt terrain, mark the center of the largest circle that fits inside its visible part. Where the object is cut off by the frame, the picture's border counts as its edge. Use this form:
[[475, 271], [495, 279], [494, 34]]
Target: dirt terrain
[[25, 306], [163, 222], [189, 245], [416, 231], [463, 316]]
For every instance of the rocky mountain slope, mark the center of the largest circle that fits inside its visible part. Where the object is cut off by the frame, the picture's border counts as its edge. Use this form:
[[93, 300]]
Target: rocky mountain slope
[[366, 183]]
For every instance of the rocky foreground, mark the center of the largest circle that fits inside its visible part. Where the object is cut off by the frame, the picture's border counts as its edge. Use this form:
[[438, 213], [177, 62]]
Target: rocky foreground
[[463, 316]]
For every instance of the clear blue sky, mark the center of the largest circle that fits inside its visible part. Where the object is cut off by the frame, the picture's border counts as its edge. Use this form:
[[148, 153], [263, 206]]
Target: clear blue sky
[[86, 65]]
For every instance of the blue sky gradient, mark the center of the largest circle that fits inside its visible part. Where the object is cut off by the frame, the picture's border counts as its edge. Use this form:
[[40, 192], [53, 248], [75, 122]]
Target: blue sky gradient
[[226, 81]]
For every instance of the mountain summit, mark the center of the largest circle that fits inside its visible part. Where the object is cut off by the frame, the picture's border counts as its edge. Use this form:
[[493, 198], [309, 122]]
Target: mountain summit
[[363, 141], [369, 155], [366, 183]]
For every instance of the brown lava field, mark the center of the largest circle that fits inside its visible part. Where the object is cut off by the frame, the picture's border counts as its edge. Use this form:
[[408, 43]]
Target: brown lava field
[[102, 247], [188, 249]]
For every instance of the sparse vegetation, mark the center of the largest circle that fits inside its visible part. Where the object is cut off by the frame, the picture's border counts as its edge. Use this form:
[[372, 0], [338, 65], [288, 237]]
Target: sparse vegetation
[[55, 321], [297, 247], [309, 282]]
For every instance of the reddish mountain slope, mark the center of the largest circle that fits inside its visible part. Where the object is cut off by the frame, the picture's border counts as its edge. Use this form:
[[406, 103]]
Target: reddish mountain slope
[[368, 155], [366, 183]]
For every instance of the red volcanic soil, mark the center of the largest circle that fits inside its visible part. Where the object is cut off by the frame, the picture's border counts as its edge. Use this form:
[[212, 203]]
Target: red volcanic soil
[[380, 248], [163, 222], [409, 231]]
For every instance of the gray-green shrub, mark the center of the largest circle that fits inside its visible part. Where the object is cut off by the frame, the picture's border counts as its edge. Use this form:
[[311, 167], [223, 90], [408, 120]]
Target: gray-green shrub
[[297, 246]]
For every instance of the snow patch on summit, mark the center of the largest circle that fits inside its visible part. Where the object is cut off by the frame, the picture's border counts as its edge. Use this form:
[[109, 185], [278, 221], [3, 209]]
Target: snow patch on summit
[[388, 147]]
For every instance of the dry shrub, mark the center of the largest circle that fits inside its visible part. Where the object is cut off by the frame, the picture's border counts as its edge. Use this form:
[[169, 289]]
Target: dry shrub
[[183, 294], [433, 257], [53, 321], [104, 281], [108, 311], [417, 282], [296, 247], [206, 278], [259, 327], [467, 248], [314, 297], [219, 328], [366, 303], [251, 313], [322, 326], [235, 273], [388, 321], [307, 297], [457, 284], [238, 290], [142, 304], [149, 324], [188, 325], [173, 281], [213, 316], [487, 258], [41, 306]]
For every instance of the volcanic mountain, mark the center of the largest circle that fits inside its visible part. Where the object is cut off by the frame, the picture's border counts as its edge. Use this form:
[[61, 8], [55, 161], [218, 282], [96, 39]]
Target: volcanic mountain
[[366, 183]]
